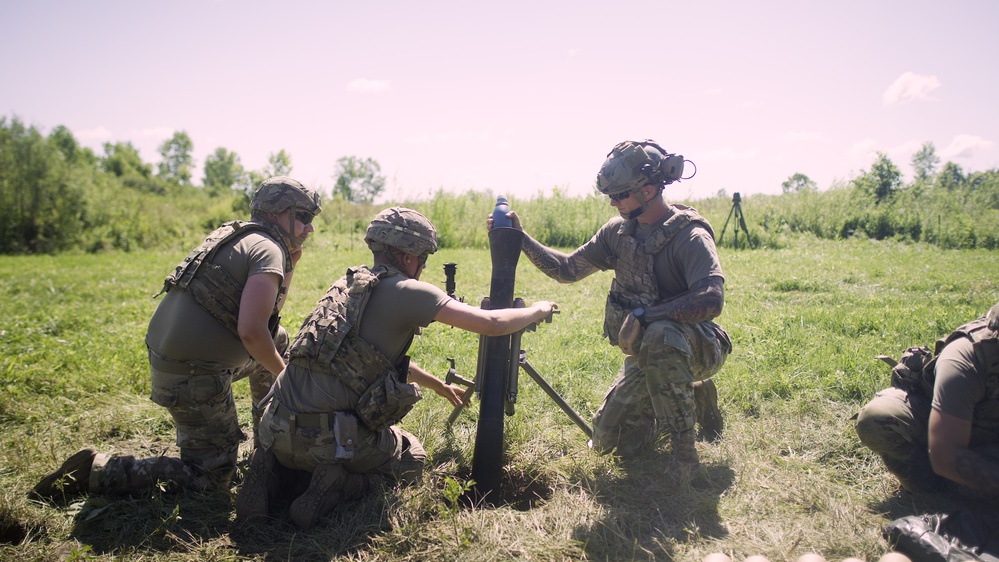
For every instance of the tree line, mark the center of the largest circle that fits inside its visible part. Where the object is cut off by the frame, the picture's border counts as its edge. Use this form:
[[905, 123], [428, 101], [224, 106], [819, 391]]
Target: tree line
[[941, 205], [57, 196]]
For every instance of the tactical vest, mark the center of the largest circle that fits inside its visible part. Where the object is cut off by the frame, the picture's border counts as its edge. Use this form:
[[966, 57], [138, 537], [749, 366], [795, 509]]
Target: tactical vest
[[329, 343], [211, 286], [634, 284]]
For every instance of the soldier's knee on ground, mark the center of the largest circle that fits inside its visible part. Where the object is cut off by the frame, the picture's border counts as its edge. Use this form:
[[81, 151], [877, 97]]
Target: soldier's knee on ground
[[881, 429]]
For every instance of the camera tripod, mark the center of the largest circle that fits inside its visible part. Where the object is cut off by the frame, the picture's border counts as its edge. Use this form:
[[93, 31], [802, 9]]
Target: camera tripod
[[740, 222]]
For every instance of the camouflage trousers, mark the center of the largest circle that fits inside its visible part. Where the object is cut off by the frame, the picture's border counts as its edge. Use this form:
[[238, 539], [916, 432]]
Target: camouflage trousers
[[201, 404], [653, 391], [895, 425], [304, 441]]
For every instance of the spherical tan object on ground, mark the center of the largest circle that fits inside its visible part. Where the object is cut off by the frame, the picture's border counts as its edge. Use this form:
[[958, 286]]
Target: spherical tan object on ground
[[717, 557], [811, 557], [757, 558], [894, 557]]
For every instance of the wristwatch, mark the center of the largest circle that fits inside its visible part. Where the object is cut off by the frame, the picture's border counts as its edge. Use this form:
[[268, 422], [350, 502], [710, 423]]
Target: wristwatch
[[639, 314]]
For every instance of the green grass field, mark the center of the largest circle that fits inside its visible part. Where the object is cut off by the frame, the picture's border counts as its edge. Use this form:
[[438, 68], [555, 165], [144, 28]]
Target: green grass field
[[788, 477]]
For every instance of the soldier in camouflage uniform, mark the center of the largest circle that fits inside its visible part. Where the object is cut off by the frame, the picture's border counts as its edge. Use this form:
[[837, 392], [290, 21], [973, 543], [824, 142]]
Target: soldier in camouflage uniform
[[667, 288], [937, 427], [218, 322], [348, 378]]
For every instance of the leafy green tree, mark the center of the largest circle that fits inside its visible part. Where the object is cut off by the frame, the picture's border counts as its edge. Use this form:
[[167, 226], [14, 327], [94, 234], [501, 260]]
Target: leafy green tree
[[63, 139], [279, 164], [223, 171], [798, 182], [41, 192], [177, 162], [122, 159], [357, 180], [951, 177], [882, 182], [924, 163]]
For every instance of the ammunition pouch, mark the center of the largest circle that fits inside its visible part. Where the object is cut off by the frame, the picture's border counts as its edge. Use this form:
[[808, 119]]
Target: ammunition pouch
[[614, 315], [386, 402], [618, 306], [910, 372], [384, 396]]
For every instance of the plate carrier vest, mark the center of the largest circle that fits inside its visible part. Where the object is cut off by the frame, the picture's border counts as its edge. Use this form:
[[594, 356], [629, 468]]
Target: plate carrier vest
[[329, 343], [211, 286], [634, 283]]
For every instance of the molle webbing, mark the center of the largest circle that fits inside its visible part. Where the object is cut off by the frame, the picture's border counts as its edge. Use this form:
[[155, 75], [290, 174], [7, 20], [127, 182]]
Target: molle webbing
[[211, 286], [328, 341], [634, 274], [984, 341]]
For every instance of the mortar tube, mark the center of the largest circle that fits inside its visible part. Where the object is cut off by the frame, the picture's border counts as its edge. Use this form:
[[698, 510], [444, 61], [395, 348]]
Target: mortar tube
[[487, 460]]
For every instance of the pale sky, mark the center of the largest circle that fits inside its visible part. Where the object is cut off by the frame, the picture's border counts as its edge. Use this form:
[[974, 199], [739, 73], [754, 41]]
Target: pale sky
[[516, 97]]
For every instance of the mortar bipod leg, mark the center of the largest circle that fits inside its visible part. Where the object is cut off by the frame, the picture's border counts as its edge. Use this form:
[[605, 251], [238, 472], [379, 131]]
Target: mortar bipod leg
[[554, 395]]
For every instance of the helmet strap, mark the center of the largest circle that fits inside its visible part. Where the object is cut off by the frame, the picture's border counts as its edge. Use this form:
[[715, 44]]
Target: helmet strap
[[290, 233], [394, 261], [635, 213]]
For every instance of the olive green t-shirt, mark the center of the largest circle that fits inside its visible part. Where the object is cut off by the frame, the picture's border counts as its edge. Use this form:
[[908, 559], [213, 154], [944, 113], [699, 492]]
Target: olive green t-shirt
[[182, 330], [959, 382]]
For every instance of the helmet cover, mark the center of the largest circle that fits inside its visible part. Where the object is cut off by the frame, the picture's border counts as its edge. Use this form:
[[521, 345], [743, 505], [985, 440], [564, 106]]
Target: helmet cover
[[633, 164], [403, 229], [279, 193]]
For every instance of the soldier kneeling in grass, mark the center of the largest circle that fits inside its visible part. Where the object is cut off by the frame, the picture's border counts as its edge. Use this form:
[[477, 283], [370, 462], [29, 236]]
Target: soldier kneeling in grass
[[348, 378], [218, 322], [937, 426]]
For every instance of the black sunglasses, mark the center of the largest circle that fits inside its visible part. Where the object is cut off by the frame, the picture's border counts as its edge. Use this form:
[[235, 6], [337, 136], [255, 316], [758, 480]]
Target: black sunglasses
[[304, 217], [619, 196]]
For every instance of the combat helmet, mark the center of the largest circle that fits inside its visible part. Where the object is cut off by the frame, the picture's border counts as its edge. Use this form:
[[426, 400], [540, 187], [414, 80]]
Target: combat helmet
[[279, 193], [403, 229], [633, 164]]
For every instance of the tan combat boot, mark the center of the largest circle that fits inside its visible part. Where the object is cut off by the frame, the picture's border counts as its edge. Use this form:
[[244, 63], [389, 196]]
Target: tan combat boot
[[330, 485], [684, 452], [706, 411], [258, 488], [70, 479]]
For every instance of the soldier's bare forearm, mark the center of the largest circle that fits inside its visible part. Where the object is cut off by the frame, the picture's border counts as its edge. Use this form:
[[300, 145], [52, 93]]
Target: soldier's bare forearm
[[564, 268], [975, 471], [703, 302]]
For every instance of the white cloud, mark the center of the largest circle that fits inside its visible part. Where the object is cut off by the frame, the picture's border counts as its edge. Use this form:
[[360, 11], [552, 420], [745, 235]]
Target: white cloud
[[713, 92], [864, 149], [964, 146], [910, 87], [365, 86]]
